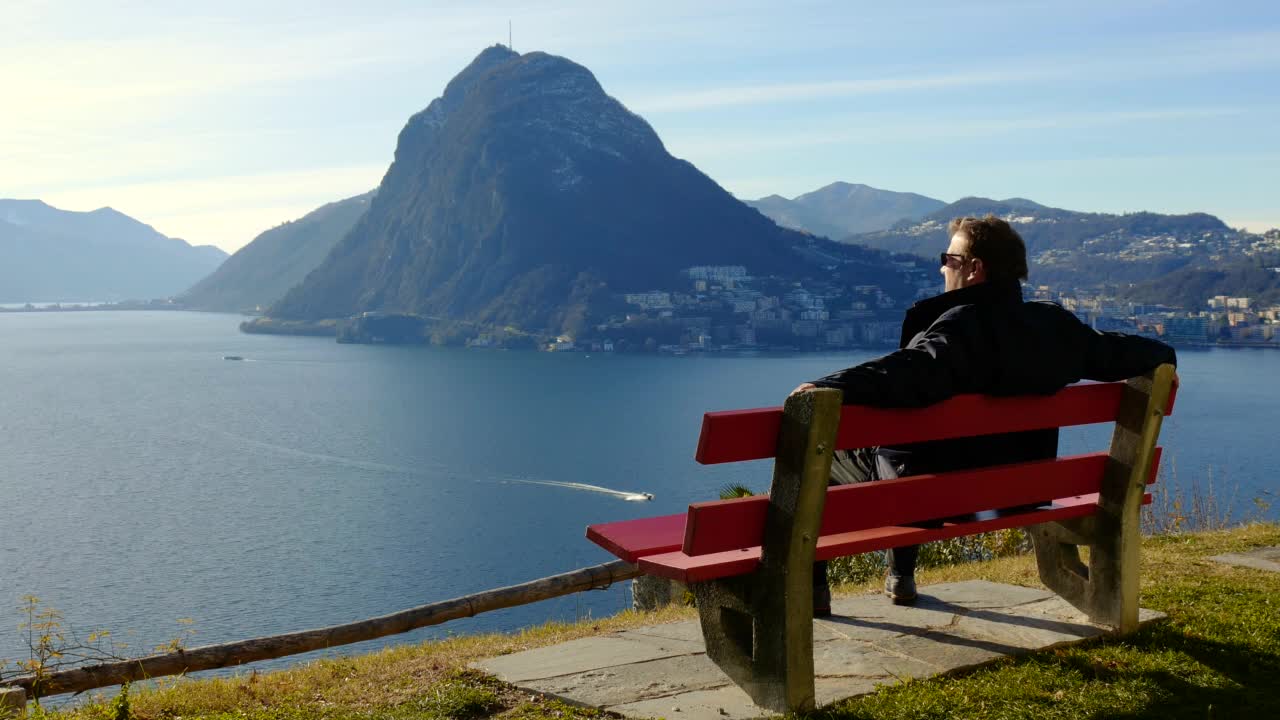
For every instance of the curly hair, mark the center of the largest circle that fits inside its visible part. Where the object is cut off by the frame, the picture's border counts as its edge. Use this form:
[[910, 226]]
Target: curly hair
[[996, 244]]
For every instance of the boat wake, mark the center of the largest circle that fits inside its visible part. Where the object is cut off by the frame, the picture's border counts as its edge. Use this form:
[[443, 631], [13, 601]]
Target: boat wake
[[627, 495], [322, 458]]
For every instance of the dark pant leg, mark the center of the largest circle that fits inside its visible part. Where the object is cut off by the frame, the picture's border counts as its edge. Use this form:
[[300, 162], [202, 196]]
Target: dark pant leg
[[847, 467], [902, 560]]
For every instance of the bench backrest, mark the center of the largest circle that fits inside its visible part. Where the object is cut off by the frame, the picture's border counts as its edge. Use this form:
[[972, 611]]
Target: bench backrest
[[718, 526], [737, 435]]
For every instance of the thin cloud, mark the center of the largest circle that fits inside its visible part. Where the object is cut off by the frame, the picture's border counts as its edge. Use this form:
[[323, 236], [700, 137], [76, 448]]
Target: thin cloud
[[39, 163], [791, 92], [875, 130], [1171, 56]]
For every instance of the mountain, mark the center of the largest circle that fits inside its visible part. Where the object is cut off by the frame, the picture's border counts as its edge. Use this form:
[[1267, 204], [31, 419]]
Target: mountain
[[52, 255], [1076, 248], [526, 196], [261, 272], [1255, 276], [841, 209]]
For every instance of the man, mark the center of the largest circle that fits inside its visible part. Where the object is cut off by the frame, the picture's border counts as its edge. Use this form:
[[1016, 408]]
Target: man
[[978, 336]]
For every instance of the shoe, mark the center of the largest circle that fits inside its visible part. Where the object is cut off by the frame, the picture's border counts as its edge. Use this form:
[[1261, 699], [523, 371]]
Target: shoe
[[901, 589], [821, 601]]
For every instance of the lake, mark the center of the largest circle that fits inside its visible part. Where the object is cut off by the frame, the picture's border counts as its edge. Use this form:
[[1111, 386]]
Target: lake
[[144, 479]]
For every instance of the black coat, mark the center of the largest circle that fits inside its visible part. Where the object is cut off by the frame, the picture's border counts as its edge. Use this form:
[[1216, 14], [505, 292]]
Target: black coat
[[985, 339]]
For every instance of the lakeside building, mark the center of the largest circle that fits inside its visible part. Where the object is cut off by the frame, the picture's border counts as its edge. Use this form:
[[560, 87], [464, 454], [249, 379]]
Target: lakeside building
[[723, 307], [655, 299], [726, 275]]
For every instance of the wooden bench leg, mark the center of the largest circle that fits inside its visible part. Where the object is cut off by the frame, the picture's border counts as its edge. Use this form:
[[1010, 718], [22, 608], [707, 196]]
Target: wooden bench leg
[[1107, 589], [729, 627], [759, 628], [1058, 560]]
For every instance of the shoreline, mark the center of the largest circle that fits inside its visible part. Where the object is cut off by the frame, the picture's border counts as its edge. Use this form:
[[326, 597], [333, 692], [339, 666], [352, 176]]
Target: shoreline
[[329, 328]]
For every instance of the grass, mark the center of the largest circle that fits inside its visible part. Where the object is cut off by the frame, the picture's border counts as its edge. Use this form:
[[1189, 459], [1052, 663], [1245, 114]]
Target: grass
[[1217, 656]]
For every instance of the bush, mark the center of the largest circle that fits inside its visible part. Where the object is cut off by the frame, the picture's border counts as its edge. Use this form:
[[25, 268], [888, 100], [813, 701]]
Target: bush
[[987, 546]]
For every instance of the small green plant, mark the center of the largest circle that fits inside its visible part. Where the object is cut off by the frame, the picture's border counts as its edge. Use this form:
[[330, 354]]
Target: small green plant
[[734, 490], [1261, 505], [547, 709], [179, 642], [53, 645], [941, 553], [119, 707], [1178, 508], [45, 640], [464, 695]]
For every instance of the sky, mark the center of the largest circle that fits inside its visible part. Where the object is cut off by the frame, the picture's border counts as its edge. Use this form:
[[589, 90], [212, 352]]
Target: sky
[[216, 121]]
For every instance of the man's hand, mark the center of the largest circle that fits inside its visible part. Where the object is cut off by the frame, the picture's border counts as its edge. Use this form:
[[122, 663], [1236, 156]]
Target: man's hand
[[802, 388]]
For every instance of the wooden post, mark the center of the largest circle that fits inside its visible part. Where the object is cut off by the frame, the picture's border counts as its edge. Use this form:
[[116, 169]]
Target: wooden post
[[12, 702], [759, 628], [1107, 590], [650, 592]]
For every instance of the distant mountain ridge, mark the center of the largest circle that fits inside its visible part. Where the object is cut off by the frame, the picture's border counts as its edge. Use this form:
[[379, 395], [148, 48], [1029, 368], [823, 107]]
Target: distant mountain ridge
[[1254, 276], [842, 209], [525, 195], [1075, 248], [53, 255], [261, 272]]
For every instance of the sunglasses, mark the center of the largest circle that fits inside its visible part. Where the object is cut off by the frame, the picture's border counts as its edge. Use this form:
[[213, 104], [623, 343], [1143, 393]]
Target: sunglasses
[[951, 260]]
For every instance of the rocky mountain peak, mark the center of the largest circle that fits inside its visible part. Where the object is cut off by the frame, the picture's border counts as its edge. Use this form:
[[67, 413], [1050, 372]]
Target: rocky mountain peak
[[519, 187], [488, 59]]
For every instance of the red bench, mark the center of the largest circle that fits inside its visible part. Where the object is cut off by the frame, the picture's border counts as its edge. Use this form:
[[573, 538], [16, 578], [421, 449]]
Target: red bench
[[749, 560]]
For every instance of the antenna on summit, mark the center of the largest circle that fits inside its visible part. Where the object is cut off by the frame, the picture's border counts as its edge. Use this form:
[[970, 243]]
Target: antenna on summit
[[509, 45]]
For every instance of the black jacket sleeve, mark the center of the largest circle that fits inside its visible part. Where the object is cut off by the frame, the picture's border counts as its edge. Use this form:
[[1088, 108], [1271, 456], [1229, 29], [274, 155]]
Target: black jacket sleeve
[[1112, 356], [938, 365], [999, 351]]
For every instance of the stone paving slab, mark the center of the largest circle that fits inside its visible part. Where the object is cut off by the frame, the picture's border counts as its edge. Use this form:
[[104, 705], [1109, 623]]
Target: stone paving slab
[[691, 631], [586, 655], [663, 671], [1267, 558], [664, 677]]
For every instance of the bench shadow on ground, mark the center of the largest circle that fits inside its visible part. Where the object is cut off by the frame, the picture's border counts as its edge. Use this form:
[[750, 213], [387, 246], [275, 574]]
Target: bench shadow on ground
[[1187, 695], [1239, 690], [941, 634]]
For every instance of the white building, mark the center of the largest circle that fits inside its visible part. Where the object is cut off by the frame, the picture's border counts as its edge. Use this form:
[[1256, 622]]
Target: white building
[[652, 300], [717, 273]]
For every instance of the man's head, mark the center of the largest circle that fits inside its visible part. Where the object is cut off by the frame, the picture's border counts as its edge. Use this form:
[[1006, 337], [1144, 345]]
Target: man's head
[[982, 250]]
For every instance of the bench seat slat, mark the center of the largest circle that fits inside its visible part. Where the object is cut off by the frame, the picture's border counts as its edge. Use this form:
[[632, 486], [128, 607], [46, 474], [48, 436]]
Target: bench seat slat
[[633, 539], [739, 523], [738, 435], [686, 568], [881, 538], [722, 525], [718, 525]]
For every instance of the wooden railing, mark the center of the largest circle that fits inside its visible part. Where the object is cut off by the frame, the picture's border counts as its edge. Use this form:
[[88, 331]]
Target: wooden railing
[[210, 657]]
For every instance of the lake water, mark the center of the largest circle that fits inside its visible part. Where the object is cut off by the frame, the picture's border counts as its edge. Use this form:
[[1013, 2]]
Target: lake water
[[143, 478]]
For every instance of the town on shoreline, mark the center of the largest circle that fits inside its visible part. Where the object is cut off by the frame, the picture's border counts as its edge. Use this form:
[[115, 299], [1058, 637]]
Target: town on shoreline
[[723, 309]]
